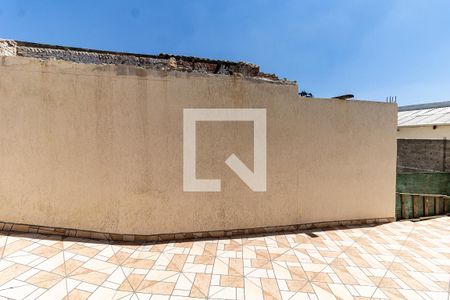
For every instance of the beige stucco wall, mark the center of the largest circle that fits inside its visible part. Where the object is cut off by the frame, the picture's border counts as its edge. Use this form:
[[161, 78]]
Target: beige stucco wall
[[100, 148], [424, 132]]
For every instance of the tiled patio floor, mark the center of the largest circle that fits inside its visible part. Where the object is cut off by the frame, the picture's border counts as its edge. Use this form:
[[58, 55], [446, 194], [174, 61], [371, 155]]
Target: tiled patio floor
[[397, 260]]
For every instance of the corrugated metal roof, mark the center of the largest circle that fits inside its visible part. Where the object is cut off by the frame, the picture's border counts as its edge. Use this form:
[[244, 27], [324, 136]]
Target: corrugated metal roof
[[423, 117], [424, 105]]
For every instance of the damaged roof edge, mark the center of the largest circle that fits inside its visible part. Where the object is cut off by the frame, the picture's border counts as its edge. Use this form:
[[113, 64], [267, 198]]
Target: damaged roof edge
[[159, 62]]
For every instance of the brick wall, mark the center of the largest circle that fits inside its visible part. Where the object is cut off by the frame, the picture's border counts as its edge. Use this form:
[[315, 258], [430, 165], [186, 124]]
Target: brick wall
[[415, 155]]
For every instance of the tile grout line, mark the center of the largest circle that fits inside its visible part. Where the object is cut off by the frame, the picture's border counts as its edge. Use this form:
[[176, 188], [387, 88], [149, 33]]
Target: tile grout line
[[65, 272], [65, 268], [390, 265], [118, 266], [290, 248], [310, 281], [220, 258], [267, 248], [212, 270], [209, 284], [81, 241], [243, 269], [32, 284], [121, 269], [342, 252], [26, 283], [140, 283], [406, 234], [271, 262], [215, 257], [181, 272], [4, 246], [32, 240]]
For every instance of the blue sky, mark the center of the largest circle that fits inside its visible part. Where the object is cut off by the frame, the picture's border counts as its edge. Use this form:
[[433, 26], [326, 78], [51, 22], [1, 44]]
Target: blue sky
[[371, 48]]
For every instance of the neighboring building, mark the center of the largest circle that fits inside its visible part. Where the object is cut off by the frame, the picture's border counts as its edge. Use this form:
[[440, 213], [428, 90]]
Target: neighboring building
[[424, 121], [422, 133], [423, 160]]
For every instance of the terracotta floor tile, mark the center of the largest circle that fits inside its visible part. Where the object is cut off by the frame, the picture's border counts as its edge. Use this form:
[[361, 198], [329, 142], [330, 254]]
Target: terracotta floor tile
[[236, 267], [210, 249], [261, 264], [158, 247], [71, 265], [270, 289], [232, 281], [138, 263], [15, 246], [204, 259], [82, 250], [401, 260], [89, 276], [296, 285], [12, 272], [156, 287], [200, 287], [119, 257], [254, 242], [177, 262], [132, 282], [284, 257], [323, 277], [77, 295], [46, 251], [393, 294], [45, 279], [297, 273], [262, 254], [233, 246], [388, 283]]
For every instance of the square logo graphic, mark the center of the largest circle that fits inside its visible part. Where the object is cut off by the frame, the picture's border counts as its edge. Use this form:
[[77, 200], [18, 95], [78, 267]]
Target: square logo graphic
[[256, 180]]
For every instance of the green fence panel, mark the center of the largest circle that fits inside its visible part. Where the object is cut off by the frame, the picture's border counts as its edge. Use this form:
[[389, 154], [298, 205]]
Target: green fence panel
[[421, 183]]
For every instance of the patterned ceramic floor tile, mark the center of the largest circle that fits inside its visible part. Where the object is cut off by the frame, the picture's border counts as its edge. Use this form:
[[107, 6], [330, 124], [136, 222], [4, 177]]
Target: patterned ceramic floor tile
[[402, 260]]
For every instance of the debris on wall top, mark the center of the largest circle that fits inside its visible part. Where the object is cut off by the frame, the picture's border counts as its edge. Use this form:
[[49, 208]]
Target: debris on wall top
[[159, 62]]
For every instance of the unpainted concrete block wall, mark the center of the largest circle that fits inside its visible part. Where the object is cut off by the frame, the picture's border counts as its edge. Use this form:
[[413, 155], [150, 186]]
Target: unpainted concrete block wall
[[417, 156]]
